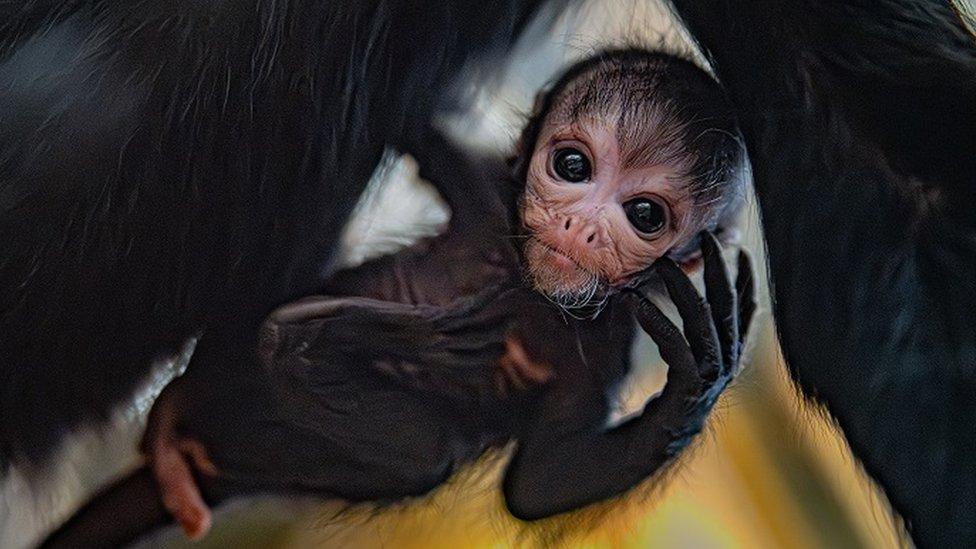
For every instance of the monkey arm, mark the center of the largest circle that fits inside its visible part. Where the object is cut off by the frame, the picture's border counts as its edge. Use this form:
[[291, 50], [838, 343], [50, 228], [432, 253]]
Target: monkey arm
[[320, 353], [471, 184], [473, 252], [115, 517], [860, 125], [569, 459], [317, 353]]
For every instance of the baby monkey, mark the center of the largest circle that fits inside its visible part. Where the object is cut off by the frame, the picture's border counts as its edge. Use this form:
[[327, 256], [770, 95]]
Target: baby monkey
[[516, 324]]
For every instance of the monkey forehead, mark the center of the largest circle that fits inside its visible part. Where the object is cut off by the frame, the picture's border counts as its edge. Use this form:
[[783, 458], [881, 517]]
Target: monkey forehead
[[622, 140], [641, 135]]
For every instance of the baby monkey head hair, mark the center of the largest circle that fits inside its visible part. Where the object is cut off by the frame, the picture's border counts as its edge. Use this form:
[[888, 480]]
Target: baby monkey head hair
[[626, 158]]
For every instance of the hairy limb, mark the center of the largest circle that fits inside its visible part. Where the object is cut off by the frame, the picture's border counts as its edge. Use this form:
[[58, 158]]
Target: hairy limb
[[444, 350], [175, 461], [316, 345], [317, 359], [568, 459], [471, 184], [116, 517]]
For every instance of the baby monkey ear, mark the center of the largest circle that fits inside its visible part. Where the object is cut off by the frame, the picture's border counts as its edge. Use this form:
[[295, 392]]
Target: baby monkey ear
[[689, 257], [691, 265], [728, 236]]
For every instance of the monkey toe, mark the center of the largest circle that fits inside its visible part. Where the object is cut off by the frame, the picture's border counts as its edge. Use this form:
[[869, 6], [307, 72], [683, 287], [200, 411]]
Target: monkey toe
[[198, 456], [173, 462]]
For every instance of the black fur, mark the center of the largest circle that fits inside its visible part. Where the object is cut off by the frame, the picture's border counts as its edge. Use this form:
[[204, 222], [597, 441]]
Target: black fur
[[168, 167], [860, 122]]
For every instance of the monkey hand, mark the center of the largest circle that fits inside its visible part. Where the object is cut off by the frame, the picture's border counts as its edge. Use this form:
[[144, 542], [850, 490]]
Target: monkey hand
[[704, 359], [562, 464]]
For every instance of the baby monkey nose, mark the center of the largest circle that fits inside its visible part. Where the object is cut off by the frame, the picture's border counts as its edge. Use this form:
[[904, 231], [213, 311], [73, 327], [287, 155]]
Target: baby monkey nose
[[579, 232]]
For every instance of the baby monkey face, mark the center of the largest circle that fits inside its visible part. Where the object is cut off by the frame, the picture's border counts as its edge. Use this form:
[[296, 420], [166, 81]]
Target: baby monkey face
[[597, 211]]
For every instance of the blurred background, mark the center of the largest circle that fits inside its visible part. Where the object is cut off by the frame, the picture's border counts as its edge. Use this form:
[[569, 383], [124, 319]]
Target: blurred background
[[770, 471]]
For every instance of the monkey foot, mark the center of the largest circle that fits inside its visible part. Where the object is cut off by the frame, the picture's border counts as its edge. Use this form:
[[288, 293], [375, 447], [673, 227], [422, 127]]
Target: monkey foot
[[518, 370], [173, 459], [173, 462]]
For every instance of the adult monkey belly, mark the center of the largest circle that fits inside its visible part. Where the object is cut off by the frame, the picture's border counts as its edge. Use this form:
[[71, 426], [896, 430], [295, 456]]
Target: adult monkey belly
[[171, 168], [860, 123]]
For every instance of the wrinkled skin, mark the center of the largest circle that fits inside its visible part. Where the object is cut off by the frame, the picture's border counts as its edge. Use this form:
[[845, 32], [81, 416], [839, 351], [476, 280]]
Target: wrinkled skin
[[586, 222]]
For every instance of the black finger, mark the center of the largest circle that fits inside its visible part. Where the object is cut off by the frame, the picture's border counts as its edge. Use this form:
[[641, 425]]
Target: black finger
[[722, 300], [745, 288], [682, 367], [695, 315]]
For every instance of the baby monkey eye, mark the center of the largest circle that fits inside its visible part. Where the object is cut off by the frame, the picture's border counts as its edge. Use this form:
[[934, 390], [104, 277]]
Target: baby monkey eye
[[646, 215], [571, 165]]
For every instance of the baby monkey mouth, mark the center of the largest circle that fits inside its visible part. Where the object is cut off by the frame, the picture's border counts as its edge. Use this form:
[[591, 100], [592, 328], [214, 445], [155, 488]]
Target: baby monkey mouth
[[575, 289], [562, 260]]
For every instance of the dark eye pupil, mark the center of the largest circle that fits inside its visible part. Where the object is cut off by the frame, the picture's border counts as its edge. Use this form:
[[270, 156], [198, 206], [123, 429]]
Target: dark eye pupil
[[571, 165], [645, 215]]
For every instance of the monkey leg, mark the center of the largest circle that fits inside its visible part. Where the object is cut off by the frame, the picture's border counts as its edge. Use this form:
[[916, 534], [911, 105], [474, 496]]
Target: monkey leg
[[569, 460], [324, 358], [378, 442], [173, 459], [460, 352], [446, 351]]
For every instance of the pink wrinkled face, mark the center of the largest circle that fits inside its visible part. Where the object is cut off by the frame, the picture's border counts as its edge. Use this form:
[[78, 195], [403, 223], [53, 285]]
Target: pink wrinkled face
[[598, 211]]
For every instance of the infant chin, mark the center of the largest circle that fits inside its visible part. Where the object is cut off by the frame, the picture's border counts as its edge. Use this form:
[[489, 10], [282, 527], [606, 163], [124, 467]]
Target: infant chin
[[562, 280]]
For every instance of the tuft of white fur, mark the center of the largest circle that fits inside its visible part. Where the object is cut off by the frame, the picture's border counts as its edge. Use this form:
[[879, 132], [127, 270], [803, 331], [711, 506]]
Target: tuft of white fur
[[32, 504], [396, 210]]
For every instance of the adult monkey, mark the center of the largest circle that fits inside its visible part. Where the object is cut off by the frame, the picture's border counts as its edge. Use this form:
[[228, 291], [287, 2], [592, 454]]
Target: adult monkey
[[860, 121], [171, 166]]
